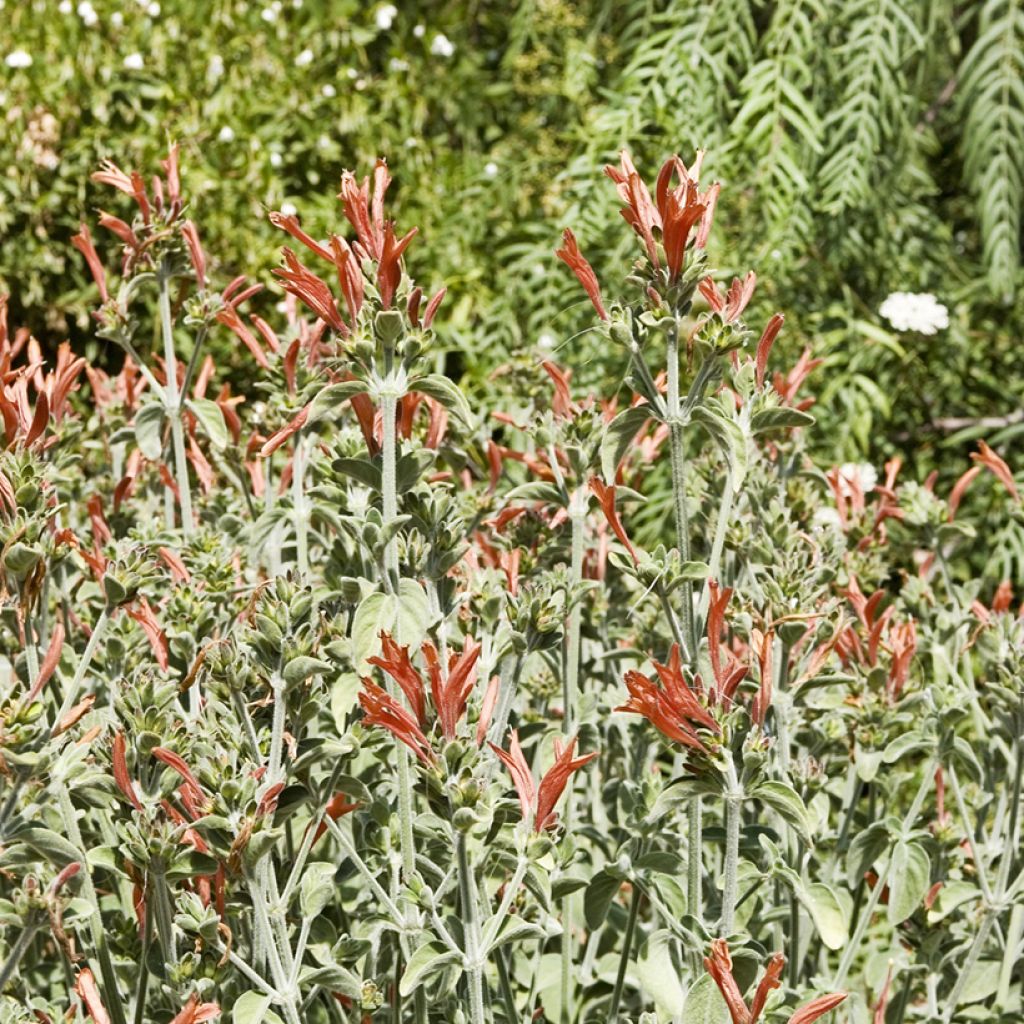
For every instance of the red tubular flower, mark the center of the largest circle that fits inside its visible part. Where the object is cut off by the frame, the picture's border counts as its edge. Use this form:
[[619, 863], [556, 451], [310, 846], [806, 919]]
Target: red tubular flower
[[121, 776], [337, 806], [764, 347], [726, 678], [730, 306], [451, 694], [195, 1012], [956, 495], [142, 612], [490, 702], [639, 212], [719, 966], [279, 437], [83, 243], [396, 662], [606, 496], [762, 701], [541, 799], [433, 305], [554, 782], [389, 270], [365, 215], [195, 251], [771, 980], [684, 207], [562, 404], [571, 256], [228, 316], [49, 663], [992, 462], [64, 876], [817, 1008], [290, 223], [174, 761], [350, 276], [89, 993], [301, 282], [383, 710]]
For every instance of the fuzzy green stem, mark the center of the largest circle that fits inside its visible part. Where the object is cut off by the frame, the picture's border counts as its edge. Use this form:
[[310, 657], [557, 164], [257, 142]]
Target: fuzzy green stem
[[695, 841], [967, 967], [627, 948], [471, 927], [111, 995], [853, 947], [172, 405], [300, 511], [730, 884], [18, 950]]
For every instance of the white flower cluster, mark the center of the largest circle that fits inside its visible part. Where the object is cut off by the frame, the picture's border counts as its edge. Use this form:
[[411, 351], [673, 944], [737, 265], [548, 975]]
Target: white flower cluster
[[862, 474], [18, 59], [915, 311], [442, 46], [385, 16]]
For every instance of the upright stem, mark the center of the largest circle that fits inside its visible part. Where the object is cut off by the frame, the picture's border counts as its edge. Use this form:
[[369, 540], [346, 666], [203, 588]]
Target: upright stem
[[111, 995], [18, 950], [471, 927], [693, 861], [389, 479], [853, 947], [627, 948], [299, 510], [730, 885], [570, 698], [172, 404]]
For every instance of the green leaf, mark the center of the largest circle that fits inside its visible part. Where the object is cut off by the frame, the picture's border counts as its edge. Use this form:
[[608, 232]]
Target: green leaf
[[536, 490], [344, 696], [47, 843], [598, 898], [441, 389], [778, 418], [253, 1008], [867, 846], [299, 669], [211, 419], [784, 799], [953, 894], [430, 958], [149, 427], [515, 929], [704, 1003], [335, 978], [825, 910], [726, 433], [317, 888], [658, 975], [405, 616], [363, 471], [331, 397], [982, 981], [909, 880], [618, 436]]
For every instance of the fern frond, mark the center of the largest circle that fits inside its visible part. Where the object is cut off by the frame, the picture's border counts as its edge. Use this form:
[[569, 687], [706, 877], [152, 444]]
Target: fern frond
[[992, 77]]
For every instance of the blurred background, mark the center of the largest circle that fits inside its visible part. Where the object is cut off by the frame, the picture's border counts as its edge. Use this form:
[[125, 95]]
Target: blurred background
[[865, 147]]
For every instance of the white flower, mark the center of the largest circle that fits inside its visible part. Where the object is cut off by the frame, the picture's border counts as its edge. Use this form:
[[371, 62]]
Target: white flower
[[117, 19], [861, 474], [546, 341], [87, 13], [826, 518], [490, 169], [134, 62], [65, 6], [419, 31], [18, 59], [397, 64], [153, 10], [360, 84], [385, 16], [268, 14], [216, 66], [329, 91], [304, 58], [441, 46], [226, 134], [915, 311], [289, 209], [275, 160]]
